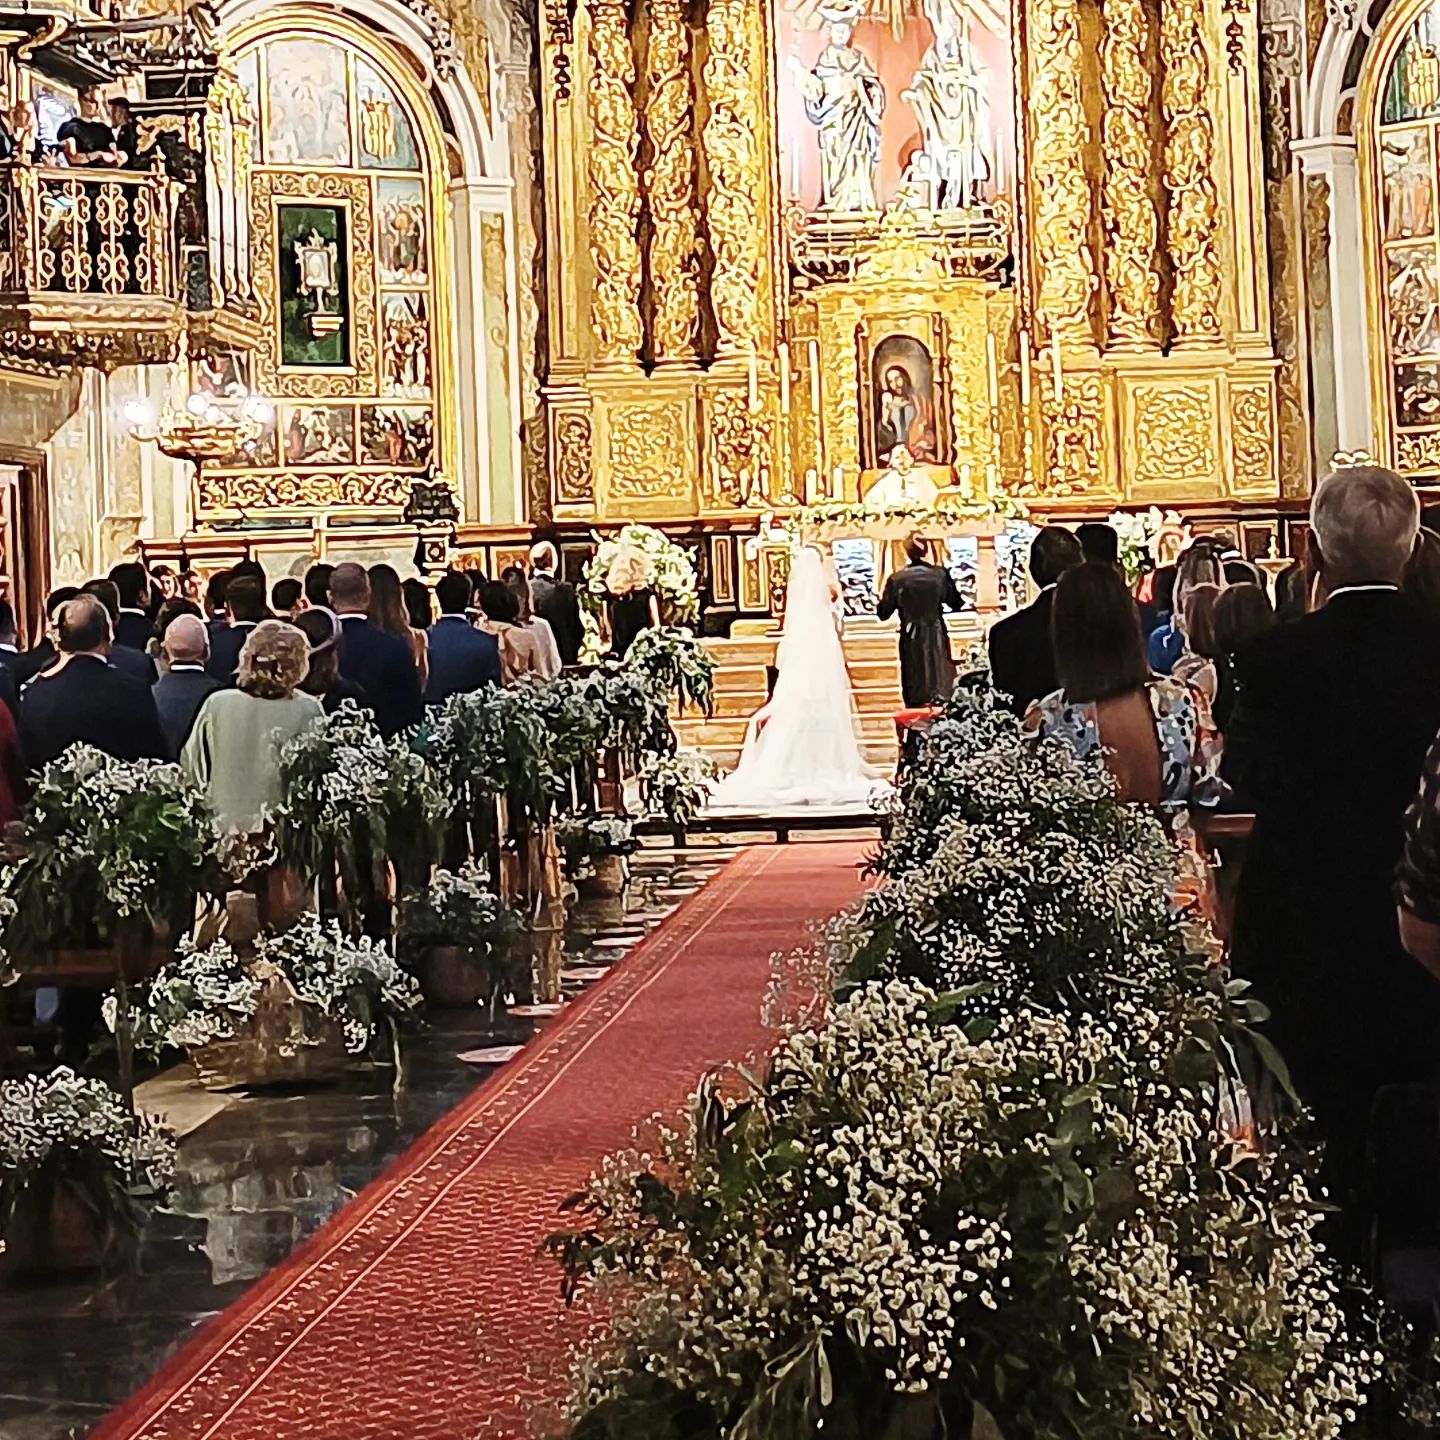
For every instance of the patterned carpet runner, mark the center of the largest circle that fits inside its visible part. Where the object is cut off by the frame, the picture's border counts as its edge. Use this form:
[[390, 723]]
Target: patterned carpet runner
[[425, 1310]]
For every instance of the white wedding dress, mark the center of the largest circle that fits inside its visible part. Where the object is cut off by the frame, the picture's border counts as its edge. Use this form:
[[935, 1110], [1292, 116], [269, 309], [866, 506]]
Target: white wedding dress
[[800, 748]]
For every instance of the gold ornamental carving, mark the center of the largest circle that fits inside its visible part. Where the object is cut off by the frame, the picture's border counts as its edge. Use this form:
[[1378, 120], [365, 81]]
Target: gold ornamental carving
[[1189, 174], [737, 445], [614, 189], [1132, 226], [1064, 260], [731, 142], [647, 447], [1252, 436], [1075, 448], [670, 185], [574, 469], [249, 490], [1173, 434], [1418, 454]]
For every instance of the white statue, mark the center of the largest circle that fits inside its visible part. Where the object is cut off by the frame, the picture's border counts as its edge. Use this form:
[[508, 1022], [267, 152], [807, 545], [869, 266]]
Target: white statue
[[845, 99], [949, 97]]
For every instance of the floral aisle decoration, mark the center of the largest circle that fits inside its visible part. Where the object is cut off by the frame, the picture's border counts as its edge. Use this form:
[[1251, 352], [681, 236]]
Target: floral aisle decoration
[[672, 573], [458, 938], [676, 663], [912, 1227], [103, 843], [676, 786], [353, 806], [75, 1167], [595, 848], [293, 1009]]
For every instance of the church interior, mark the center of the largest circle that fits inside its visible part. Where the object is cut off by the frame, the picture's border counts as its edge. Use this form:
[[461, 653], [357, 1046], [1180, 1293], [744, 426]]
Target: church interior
[[424, 284]]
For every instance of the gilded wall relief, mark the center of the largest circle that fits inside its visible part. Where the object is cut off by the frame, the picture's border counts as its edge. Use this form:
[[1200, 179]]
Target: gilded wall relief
[[574, 461], [649, 447], [1252, 437], [1174, 435]]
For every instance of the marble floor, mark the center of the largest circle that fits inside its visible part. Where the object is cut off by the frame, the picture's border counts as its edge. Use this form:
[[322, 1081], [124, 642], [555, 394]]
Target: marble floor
[[259, 1173]]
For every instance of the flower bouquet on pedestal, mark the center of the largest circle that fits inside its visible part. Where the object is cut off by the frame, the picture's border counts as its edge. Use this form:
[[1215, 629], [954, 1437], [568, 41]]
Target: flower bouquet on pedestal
[[458, 939], [595, 848]]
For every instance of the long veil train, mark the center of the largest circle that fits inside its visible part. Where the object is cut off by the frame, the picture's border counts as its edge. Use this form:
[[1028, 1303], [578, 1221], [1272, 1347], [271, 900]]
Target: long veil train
[[800, 748]]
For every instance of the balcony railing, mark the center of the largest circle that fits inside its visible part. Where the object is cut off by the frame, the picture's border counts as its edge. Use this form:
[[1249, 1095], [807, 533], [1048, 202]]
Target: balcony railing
[[88, 264]]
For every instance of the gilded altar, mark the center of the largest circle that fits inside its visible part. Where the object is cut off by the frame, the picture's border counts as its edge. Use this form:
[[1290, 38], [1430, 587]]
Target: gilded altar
[[785, 237]]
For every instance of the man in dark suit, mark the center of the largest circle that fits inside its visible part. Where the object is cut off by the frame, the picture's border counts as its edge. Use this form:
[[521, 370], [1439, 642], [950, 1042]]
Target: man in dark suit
[[184, 687], [922, 592], [1022, 659], [42, 655], [462, 658], [85, 699], [244, 610], [1333, 717], [132, 626], [134, 663], [383, 665], [555, 602]]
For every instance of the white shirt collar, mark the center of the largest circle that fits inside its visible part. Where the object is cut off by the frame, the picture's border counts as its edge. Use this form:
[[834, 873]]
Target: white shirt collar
[[176, 669], [1358, 590], [9, 648], [353, 615], [131, 610]]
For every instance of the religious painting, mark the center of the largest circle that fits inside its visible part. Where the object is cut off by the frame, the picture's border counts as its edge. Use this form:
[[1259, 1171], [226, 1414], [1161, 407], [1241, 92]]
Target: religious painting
[[320, 435], [1414, 304], [307, 102], [405, 346], [1417, 395], [1412, 89], [314, 259], [402, 436], [1409, 185], [260, 452], [903, 403], [222, 374], [387, 138], [400, 233]]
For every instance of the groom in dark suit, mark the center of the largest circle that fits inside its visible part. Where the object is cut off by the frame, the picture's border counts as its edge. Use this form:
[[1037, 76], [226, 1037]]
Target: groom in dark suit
[[921, 593], [1022, 659]]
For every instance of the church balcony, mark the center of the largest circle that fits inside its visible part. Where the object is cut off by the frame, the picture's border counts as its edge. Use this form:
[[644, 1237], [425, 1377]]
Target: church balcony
[[88, 266]]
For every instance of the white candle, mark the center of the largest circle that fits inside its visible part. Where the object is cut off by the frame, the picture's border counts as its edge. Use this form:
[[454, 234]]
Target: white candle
[[992, 371], [815, 378], [1024, 338], [784, 379], [838, 481]]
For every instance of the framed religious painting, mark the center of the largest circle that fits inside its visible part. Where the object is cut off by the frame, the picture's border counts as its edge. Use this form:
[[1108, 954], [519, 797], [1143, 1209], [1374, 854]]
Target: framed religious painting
[[903, 404]]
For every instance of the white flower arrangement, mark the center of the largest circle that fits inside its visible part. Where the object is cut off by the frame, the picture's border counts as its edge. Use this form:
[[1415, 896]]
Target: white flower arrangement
[[458, 907], [902, 1220], [1139, 531], [672, 572], [676, 785]]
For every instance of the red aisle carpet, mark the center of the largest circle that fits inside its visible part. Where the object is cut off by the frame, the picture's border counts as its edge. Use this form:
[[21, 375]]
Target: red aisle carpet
[[423, 1311]]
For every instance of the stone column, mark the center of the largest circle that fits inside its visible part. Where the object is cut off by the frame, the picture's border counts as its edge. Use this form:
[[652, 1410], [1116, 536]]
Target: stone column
[[1132, 226], [1186, 95], [670, 191], [614, 187], [732, 153]]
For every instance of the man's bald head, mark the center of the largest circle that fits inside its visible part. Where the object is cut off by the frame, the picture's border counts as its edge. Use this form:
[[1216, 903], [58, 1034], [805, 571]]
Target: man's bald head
[[186, 641]]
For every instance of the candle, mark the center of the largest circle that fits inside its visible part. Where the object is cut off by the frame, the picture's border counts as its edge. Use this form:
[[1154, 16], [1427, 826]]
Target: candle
[[752, 381], [815, 378], [1024, 366], [992, 371], [784, 379], [838, 481], [1057, 370]]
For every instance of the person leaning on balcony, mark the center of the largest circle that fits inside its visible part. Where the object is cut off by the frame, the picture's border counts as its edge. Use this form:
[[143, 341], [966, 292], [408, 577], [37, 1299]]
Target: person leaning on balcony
[[86, 139]]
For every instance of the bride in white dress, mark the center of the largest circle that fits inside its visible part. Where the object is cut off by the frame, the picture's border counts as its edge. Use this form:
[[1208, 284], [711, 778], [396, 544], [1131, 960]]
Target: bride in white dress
[[800, 748]]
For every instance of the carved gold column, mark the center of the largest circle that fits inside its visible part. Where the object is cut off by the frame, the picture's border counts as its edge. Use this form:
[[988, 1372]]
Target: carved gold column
[[1189, 174], [732, 154], [614, 188], [1132, 227], [1064, 259], [670, 185]]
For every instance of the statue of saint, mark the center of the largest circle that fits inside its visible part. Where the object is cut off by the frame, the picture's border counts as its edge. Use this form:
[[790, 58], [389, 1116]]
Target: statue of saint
[[845, 100], [948, 94]]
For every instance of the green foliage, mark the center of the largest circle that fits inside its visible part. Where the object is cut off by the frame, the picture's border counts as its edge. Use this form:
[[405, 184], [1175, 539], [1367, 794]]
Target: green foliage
[[677, 663]]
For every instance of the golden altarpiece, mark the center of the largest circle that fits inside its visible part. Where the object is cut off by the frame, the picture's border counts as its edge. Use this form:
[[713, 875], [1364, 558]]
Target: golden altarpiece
[[785, 236]]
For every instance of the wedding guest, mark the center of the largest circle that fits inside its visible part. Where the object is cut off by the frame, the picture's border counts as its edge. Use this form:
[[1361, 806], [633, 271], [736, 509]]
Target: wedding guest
[[1334, 715], [322, 631], [1099, 542], [85, 698], [1144, 727], [233, 752], [1022, 659], [244, 610], [1292, 592], [170, 611], [215, 588], [85, 139], [388, 612], [1199, 565], [419, 604], [42, 655], [134, 663], [184, 687], [1241, 613], [462, 658], [1197, 666], [519, 649], [165, 584], [1422, 574], [317, 584], [187, 585], [9, 640], [920, 594], [514, 578], [132, 625], [287, 598], [555, 602], [630, 601], [383, 665]]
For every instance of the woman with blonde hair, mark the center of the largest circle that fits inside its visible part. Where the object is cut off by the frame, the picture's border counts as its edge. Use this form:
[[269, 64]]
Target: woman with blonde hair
[[631, 605], [233, 752]]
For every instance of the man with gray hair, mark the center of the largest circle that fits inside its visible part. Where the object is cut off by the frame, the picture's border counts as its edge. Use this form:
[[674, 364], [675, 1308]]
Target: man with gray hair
[[1334, 714], [554, 601], [184, 687]]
